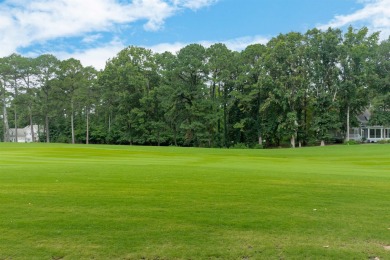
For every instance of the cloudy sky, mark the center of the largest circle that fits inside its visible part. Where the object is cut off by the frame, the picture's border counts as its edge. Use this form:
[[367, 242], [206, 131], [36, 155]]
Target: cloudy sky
[[95, 30]]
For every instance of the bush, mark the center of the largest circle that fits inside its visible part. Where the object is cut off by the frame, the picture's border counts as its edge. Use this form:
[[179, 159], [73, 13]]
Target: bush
[[383, 142], [313, 142], [338, 140], [258, 146], [351, 142], [239, 146]]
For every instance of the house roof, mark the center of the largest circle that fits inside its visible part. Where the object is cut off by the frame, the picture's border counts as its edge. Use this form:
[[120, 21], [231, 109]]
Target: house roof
[[364, 117]]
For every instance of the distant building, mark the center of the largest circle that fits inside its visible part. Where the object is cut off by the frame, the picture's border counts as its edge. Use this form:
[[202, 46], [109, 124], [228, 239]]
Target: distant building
[[24, 135], [367, 132]]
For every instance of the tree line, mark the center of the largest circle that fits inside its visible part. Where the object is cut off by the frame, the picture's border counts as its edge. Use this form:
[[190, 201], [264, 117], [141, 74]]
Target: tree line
[[298, 89]]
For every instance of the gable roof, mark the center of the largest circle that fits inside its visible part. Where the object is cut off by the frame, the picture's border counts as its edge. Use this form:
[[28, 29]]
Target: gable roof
[[364, 117]]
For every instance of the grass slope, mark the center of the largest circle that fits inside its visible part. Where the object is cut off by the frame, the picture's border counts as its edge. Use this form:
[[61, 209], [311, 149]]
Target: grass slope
[[81, 202]]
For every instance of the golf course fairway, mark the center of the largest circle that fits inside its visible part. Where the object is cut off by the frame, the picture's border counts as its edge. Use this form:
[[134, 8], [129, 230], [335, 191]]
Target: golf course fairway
[[61, 201]]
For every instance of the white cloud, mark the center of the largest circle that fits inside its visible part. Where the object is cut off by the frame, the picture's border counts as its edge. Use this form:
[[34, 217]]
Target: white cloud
[[375, 15], [193, 4], [24, 22], [170, 47], [98, 56], [236, 44], [239, 44], [95, 57], [92, 38]]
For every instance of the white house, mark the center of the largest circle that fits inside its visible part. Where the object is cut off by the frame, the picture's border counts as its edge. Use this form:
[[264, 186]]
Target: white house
[[24, 135], [368, 132]]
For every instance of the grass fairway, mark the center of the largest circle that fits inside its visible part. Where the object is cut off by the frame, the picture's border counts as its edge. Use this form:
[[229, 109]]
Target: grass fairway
[[118, 202]]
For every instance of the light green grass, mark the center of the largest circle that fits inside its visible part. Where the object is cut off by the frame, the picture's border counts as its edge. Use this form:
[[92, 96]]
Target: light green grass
[[121, 202]]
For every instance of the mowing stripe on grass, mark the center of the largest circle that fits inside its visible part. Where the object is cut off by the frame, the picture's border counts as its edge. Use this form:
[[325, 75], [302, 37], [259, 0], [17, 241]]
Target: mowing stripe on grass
[[78, 201]]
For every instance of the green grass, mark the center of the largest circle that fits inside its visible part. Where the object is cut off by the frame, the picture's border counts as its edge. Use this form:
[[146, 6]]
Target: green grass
[[118, 202]]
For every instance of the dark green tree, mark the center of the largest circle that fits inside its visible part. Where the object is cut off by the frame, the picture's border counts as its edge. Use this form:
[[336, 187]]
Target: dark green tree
[[323, 60], [5, 71], [250, 95], [286, 70], [70, 81], [221, 70], [47, 69], [127, 78], [357, 72], [380, 91], [192, 96]]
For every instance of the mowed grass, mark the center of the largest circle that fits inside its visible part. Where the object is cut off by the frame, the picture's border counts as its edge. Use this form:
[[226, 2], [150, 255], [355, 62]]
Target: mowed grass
[[62, 201]]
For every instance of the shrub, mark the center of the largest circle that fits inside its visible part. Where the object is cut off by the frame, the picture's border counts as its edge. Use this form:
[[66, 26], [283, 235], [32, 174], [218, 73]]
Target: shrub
[[258, 146], [239, 146], [351, 142], [313, 142], [382, 142]]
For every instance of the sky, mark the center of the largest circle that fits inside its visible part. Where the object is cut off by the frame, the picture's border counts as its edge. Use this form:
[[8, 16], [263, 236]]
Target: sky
[[94, 31]]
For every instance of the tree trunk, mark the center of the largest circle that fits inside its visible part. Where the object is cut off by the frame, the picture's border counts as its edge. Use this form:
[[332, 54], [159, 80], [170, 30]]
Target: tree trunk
[[72, 123], [5, 121], [15, 107], [16, 126], [322, 143], [109, 123], [87, 137], [292, 141], [47, 128], [130, 134], [31, 125], [225, 130], [347, 135], [175, 136], [295, 135]]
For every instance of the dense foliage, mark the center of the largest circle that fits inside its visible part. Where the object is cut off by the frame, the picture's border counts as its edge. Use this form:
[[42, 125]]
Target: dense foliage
[[297, 89]]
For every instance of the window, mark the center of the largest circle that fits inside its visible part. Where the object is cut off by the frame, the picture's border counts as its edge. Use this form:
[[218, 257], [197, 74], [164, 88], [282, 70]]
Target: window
[[378, 133], [372, 133], [365, 133], [387, 133], [375, 133]]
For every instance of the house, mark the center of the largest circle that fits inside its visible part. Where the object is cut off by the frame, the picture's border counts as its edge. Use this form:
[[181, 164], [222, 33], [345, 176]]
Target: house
[[367, 132], [24, 135]]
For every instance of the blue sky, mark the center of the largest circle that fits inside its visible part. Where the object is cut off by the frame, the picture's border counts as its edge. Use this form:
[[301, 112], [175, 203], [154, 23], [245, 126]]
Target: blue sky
[[95, 30]]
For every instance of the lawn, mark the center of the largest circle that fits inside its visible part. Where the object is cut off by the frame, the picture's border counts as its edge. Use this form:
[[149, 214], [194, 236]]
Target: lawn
[[62, 201]]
